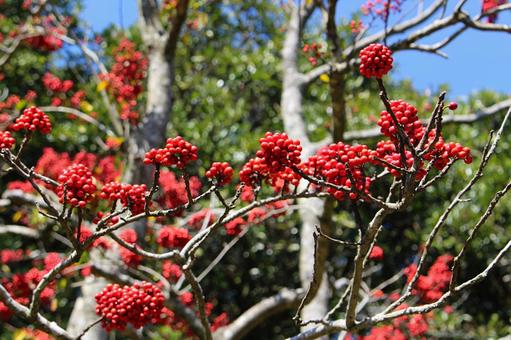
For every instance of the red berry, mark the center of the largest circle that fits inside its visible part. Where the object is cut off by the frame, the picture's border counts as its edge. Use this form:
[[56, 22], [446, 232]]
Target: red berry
[[453, 106]]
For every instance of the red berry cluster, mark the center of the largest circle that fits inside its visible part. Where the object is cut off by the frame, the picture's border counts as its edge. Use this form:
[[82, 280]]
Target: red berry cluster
[[402, 328], [222, 172], [234, 227], [406, 115], [429, 288], [381, 8], [86, 233], [32, 119], [375, 61], [12, 255], [376, 253], [173, 237], [55, 84], [171, 271], [52, 163], [139, 305], [356, 26], [254, 172], [177, 152], [489, 5], [281, 180], [313, 50], [21, 285], [388, 151], [76, 185], [174, 189], [130, 258], [125, 80], [336, 163], [442, 152], [130, 195], [279, 151], [197, 220], [6, 141], [48, 42]]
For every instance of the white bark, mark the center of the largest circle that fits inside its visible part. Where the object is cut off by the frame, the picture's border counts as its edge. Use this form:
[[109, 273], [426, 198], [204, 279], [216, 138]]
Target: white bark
[[311, 209]]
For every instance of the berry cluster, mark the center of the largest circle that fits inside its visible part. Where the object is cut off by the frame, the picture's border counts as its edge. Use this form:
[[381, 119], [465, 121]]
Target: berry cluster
[[313, 50], [375, 61], [381, 8], [6, 141], [342, 165], [12, 255], [52, 164], [55, 84], [234, 227], [174, 189], [197, 220], [130, 195], [254, 172], [130, 258], [32, 119], [138, 305], [489, 5], [281, 180], [48, 42], [171, 271], [221, 172], [86, 233], [21, 285], [376, 253], [177, 152], [356, 26], [173, 237], [388, 151], [430, 287], [125, 80], [402, 328], [278, 151], [406, 115], [76, 185], [442, 152]]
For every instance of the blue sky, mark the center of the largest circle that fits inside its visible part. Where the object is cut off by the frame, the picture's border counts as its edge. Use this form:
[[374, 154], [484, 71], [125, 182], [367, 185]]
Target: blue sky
[[477, 60]]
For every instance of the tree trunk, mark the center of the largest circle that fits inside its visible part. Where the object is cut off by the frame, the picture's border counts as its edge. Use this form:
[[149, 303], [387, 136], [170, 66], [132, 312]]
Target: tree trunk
[[151, 132], [311, 209]]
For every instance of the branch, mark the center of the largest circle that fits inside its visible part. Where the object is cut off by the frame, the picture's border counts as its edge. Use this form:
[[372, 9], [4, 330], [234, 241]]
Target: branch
[[38, 320], [257, 314], [82, 115]]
